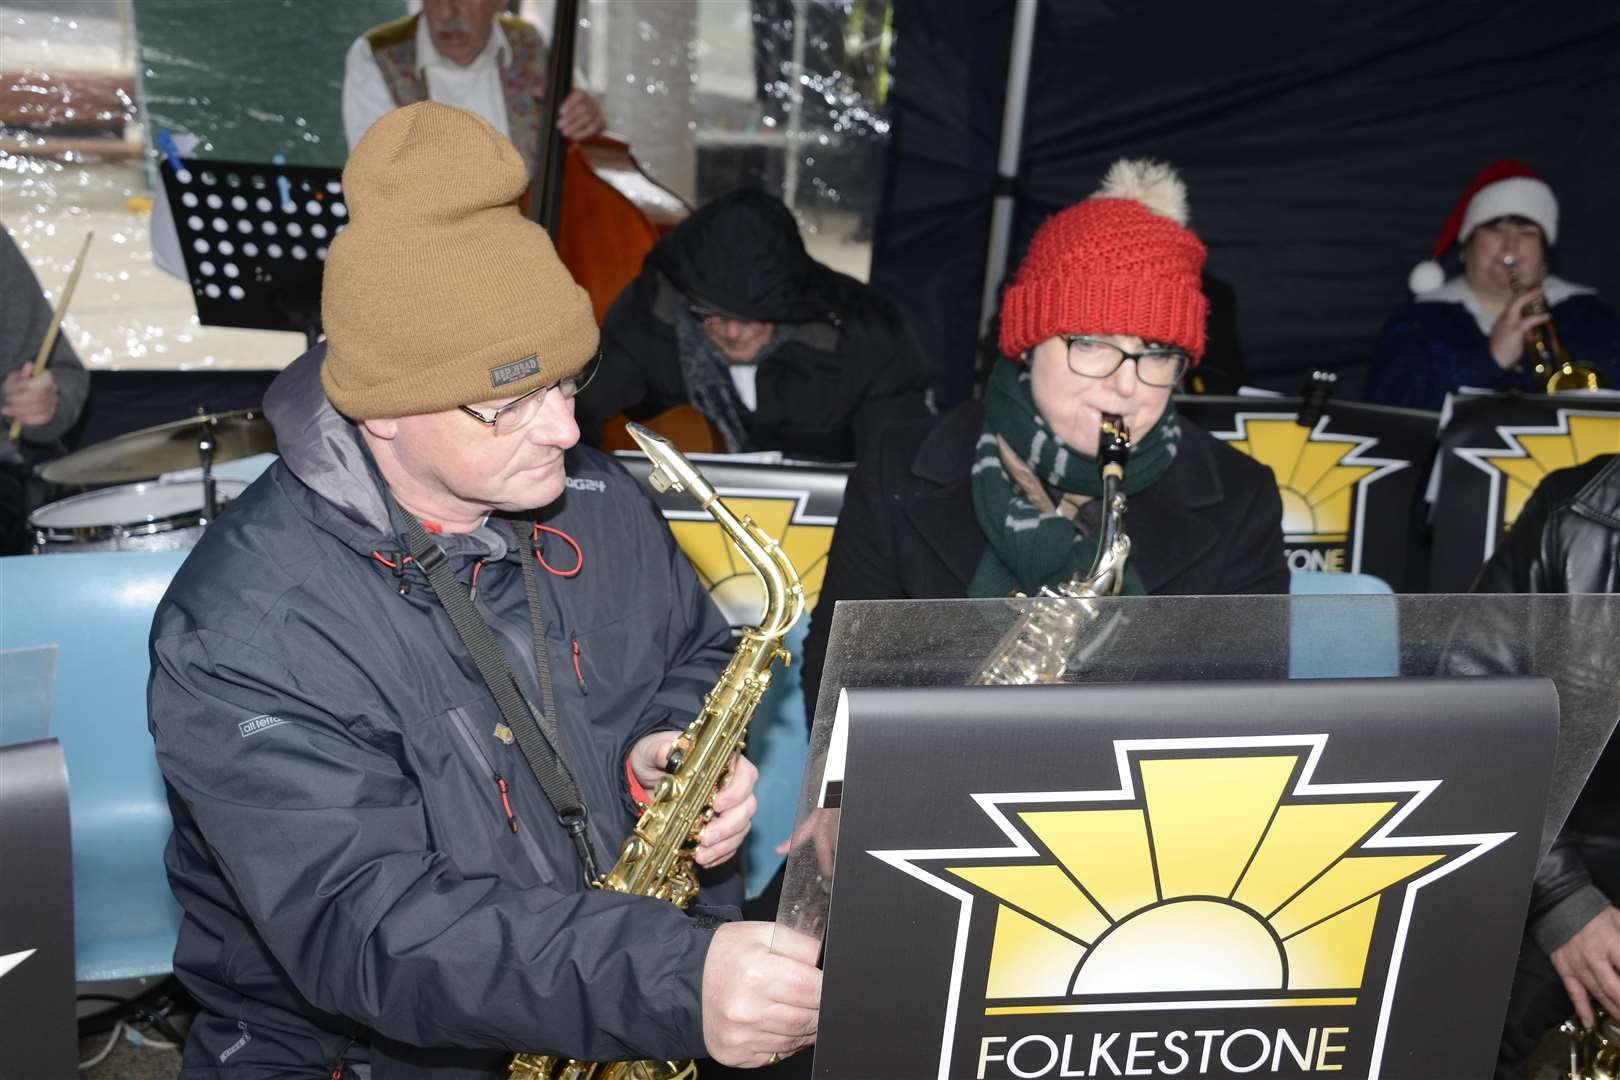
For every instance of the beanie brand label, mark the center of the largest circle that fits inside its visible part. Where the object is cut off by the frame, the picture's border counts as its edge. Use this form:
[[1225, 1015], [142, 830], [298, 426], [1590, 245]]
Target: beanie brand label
[[516, 371]]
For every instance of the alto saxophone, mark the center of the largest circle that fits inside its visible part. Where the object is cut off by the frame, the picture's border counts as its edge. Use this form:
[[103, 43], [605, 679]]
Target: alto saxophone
[[1550, 362], [1038, 646], [1594, 1052], [656, 858]]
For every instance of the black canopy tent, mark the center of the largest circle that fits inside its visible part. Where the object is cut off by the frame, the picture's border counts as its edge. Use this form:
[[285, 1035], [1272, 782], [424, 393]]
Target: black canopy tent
[[1323, 144]]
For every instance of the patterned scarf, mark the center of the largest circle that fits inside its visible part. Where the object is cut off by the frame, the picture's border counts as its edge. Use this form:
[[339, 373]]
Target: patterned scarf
[[707, 374], [1035, 541]]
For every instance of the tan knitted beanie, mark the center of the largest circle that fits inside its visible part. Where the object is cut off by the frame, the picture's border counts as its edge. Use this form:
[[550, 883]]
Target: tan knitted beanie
[[440, 292]]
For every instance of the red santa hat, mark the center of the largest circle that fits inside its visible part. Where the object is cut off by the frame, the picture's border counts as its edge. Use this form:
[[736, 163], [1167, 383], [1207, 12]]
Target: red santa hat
[[1502, 188]]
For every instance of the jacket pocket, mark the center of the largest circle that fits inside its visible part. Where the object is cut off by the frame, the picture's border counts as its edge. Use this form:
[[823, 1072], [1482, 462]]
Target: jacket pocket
[[496, 786]]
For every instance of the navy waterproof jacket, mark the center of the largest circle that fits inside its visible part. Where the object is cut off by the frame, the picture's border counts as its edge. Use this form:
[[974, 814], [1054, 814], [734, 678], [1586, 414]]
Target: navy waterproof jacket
[[353, 884]]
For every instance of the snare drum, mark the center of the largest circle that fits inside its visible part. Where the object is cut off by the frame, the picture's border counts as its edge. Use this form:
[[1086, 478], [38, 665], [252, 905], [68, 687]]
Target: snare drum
[[130, 517]]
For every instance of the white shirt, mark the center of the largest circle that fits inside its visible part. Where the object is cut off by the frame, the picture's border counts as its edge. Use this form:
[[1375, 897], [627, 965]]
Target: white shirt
[[476, 87], [745, 377]]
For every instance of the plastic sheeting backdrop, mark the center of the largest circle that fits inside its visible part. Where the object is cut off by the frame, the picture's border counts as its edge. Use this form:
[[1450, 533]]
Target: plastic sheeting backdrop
[[712, 94]]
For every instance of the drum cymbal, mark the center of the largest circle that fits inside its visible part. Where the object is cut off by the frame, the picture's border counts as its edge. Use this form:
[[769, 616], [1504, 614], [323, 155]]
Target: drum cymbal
[[166, 448]]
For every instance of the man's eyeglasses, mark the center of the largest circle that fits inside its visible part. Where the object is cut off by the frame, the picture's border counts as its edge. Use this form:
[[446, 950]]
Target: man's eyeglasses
[[516, 414], [1156, 365]]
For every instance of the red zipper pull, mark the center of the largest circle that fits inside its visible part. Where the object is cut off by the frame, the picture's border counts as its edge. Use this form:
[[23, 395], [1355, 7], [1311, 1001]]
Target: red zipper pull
[[579, 674], [500, 782]]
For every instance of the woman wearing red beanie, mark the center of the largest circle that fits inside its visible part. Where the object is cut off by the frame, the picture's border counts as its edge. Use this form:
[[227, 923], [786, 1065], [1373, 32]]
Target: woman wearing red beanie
[[999, 496]]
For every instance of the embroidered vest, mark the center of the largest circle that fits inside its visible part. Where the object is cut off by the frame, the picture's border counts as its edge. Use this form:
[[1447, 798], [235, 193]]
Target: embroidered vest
[[523, 80]]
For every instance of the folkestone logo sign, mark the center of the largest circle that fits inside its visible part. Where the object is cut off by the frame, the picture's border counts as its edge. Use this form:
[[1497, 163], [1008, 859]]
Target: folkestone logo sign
[[1220, 912], [1529, 452], [1323, 478]]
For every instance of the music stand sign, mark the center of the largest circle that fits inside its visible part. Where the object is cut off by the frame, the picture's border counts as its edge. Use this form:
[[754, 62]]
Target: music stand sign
[[1348, 475], [1494, 451], [1192, 879], [796, 504]]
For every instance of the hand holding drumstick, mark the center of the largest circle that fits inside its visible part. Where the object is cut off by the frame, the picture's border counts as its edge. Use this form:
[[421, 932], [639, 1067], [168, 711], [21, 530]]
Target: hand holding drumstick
[[29, 398]]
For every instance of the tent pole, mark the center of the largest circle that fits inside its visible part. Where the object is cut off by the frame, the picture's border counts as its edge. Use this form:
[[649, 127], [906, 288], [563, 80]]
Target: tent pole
[[1012, 138]]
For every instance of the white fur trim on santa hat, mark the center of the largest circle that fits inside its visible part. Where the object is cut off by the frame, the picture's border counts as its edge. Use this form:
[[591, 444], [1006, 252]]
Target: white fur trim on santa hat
[[1426, 277], [1522, 196]]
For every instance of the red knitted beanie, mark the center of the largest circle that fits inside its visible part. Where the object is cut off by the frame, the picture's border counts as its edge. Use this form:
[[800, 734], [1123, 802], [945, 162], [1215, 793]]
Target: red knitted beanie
[[1121, 262]]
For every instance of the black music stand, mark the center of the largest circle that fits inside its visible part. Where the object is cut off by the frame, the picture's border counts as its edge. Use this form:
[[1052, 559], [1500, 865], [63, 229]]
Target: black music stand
[[254, 237]]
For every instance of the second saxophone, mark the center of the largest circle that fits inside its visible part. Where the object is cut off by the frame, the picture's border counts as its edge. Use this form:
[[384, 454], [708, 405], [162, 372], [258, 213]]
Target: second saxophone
[[1037, 647]]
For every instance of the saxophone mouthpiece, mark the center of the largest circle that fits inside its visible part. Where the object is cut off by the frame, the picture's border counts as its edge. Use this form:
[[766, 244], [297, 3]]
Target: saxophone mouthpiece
[[1113, 445], [661, 452]]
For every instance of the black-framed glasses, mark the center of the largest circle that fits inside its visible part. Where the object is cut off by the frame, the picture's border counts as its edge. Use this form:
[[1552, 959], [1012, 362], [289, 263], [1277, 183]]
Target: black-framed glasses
[[1156, 365], [516, 414]]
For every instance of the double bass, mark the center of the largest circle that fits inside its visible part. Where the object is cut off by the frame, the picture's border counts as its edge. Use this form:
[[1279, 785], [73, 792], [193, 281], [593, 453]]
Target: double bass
[[604, 215], [603, 212]]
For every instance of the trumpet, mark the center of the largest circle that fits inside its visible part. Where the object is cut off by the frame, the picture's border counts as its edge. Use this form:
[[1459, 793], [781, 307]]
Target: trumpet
[[1550, 362]]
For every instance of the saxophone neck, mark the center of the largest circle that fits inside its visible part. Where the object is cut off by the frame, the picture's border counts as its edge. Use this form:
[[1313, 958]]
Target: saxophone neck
[[784, 594]]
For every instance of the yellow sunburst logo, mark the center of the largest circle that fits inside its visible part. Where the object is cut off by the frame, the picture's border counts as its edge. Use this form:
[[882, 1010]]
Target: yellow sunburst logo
[[1218, 873], [1532, 452], [1323, 477], [730, 580]]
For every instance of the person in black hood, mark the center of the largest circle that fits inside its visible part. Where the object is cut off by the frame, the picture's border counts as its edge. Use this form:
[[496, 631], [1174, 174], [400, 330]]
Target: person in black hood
[[731, 315]]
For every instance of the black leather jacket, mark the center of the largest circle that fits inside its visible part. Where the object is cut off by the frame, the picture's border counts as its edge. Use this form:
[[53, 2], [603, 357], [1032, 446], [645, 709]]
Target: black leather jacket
[[1567, 540]]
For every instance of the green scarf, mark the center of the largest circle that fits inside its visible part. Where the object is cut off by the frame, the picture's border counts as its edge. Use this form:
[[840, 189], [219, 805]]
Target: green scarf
[[1031, 546]]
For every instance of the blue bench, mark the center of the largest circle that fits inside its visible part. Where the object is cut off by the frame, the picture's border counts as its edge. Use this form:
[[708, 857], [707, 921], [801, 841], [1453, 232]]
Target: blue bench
[[97, 607]]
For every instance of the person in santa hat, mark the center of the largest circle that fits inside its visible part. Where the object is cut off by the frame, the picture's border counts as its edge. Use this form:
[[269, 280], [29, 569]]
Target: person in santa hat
[[1469, 330]]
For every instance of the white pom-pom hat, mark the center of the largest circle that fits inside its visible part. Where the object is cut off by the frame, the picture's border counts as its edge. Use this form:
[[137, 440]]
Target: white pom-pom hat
[[1502, 188]]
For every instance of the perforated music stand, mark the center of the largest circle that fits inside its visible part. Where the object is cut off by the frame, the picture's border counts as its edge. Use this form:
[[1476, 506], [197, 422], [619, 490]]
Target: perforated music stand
[[254, 237]]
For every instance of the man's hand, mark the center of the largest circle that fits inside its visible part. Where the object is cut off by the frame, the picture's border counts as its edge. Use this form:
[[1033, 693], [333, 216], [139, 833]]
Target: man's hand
[[1589, 964], [580, 116], [820, 830], [29, 399], [734, 803], [758, 1003], [1507, 336]]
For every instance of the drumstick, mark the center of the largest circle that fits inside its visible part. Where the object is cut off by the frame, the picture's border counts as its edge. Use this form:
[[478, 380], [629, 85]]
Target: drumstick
[[45, 347]]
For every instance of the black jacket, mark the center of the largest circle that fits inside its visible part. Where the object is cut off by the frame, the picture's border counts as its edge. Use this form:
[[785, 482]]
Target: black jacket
[[353, 889], [849, 368], [1211, 525], [1567, 540]]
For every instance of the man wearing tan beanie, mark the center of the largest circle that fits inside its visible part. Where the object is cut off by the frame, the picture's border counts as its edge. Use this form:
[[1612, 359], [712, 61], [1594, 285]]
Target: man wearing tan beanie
[[403, 691]]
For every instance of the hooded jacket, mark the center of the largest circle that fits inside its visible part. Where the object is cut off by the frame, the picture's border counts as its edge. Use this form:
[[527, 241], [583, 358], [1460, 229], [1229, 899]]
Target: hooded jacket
[[357, 884], [847, 366]]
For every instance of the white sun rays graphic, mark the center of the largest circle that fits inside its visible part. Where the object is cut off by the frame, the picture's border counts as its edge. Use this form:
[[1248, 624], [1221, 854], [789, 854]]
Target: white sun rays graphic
[[1215, 886]]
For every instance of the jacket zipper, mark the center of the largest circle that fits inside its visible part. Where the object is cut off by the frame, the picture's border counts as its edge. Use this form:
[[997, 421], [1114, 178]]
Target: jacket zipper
[[463, 725], [579, 674]]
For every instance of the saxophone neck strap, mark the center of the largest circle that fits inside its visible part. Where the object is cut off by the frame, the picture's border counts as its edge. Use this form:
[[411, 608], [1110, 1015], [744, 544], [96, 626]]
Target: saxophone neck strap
[[535, 729]]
